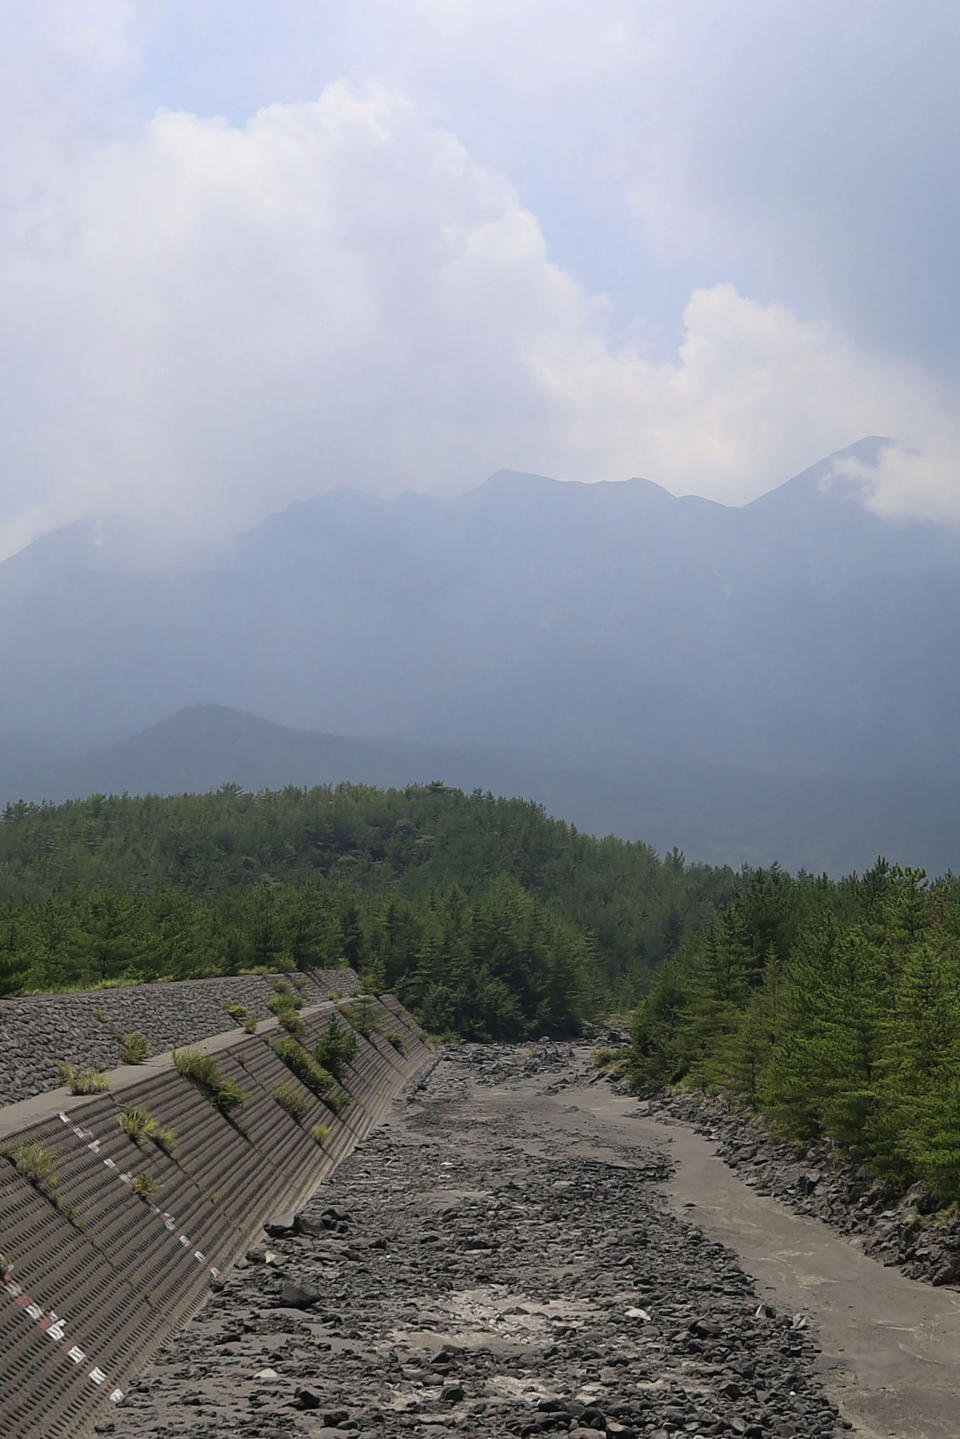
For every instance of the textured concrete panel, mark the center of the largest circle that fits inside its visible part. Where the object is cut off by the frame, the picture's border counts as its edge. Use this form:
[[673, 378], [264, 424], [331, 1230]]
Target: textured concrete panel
[[86, 1027], [94, 1275]]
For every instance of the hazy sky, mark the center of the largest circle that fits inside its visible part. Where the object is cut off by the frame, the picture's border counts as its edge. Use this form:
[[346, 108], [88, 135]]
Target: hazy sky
[[248, 251]]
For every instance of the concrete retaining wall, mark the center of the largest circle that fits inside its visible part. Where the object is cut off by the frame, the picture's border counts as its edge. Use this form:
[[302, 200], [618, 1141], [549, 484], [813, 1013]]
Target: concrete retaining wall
[[93, 1278], [84, 1027]]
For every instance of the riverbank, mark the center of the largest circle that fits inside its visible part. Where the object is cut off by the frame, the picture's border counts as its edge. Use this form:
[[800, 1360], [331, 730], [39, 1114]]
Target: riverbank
[[908, 1230]]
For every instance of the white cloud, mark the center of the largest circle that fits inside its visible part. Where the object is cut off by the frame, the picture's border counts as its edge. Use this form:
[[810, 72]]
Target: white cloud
[[206, 320], [909, 484]]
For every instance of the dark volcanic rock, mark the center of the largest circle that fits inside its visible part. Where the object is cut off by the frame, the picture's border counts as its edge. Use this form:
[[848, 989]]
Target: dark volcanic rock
[[468, 1271], [297, 1296]]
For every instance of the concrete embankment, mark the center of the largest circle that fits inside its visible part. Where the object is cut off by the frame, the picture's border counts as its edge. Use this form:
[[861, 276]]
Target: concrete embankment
[[86, 1027], [111, 1241]]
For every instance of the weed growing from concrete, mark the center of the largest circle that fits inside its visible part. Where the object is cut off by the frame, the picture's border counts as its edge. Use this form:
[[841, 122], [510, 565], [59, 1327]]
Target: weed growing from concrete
[[145, 1186], [137, 1123], [204, 1069], [84, 1081], [289, 1097], [134, 1047], [36, 1165], [317, 1079], [164, 1138]]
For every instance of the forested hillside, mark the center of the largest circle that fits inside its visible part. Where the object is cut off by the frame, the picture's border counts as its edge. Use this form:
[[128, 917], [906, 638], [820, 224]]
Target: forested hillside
[[734, 680], [832, 1008], [485, 915]]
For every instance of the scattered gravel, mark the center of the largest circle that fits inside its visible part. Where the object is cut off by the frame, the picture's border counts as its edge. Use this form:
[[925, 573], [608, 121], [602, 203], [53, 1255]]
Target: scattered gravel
[[472, 1271]]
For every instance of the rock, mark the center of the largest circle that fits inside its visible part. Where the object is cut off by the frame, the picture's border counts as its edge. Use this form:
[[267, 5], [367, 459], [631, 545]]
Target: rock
[[626, 1320], [311, 1228], [918, 1197], [947, 1271], [281, 1227], [297, 1296]]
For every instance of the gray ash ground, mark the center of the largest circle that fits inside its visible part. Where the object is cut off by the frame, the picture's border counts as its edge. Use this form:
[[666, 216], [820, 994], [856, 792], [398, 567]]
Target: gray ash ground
[[487, 1265], [913, 1230]]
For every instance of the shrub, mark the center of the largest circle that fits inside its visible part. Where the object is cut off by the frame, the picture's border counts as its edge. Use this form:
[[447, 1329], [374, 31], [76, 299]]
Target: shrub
[[282, 990], [250, 1024], [290, 1020], [134, 1047], [35, 1164], [229, 1096], [317, 1079], [285, 1007], [138, 1123], [203, 1068], [145, 1186], [196, 1064], [235, 1011], [320, 1133], [288, 1097], [280, 1003], [360, 1014], [86, 1081], [397, 1040], [336, 1047], [603, 1058]]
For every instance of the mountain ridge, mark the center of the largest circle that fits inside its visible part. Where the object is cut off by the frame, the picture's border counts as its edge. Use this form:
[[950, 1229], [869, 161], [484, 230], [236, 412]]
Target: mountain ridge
[[550, 628]]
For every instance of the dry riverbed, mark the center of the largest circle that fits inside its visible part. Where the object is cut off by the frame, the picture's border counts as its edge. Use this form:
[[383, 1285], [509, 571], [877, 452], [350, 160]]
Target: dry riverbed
[[503, 1258]]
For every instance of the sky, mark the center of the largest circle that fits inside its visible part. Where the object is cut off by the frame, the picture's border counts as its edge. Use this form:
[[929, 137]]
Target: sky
[[250, 252]]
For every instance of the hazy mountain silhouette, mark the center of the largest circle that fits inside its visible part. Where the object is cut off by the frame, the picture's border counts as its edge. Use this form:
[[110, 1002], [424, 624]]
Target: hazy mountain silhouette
[[724, 815], [631, 658]]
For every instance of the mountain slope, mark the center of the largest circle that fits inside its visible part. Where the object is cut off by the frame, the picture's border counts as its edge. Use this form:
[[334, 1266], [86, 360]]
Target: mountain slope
[[608, 642]]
